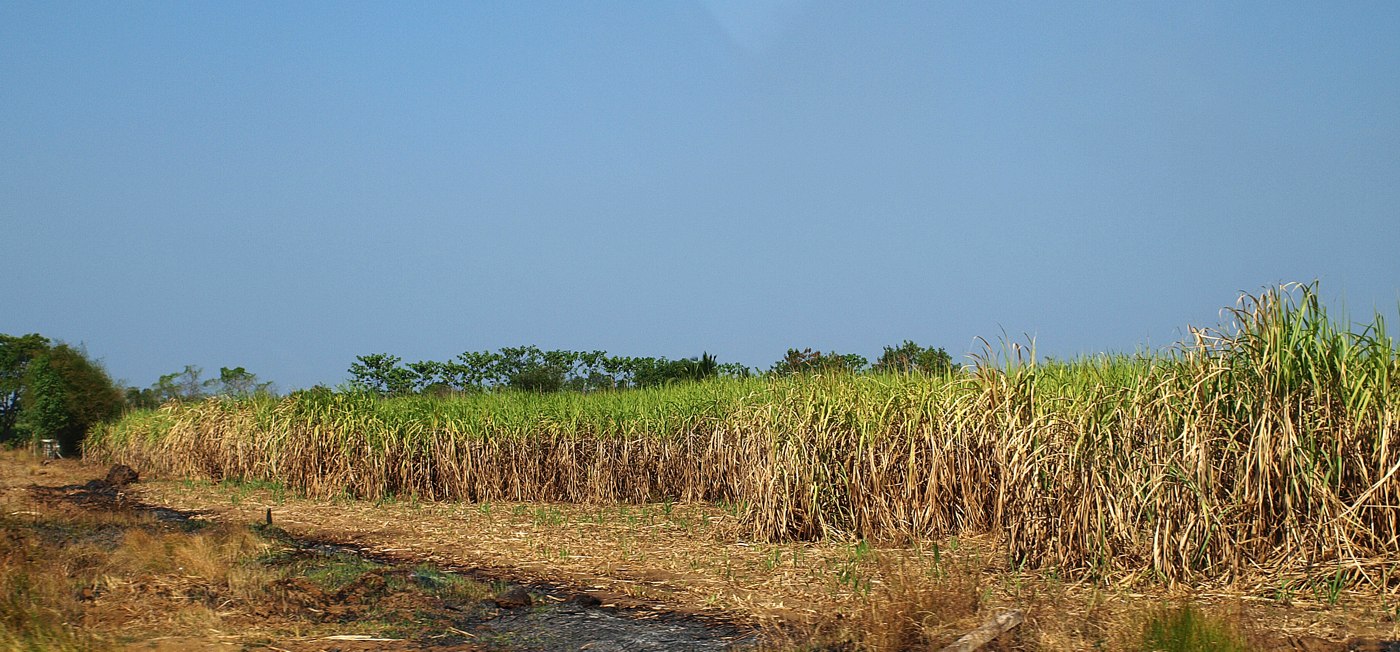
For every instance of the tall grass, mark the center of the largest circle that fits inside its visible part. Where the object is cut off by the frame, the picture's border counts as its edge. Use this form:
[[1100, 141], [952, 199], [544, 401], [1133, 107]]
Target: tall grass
[[1265, 446]]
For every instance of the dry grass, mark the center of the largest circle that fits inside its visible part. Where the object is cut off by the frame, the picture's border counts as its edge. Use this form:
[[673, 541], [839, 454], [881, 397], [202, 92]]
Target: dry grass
[[88, 570], [212, 562], [36, 598], [1263, 453], [75, 580], [917, 604]]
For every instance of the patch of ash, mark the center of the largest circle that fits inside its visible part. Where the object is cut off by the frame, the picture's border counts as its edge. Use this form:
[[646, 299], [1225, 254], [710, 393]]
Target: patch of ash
[[572, 626], [101, 495]]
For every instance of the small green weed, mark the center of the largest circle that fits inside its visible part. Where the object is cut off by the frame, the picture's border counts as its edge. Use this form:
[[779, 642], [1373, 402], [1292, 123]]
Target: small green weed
[[548, 516], [450, 587], [338, 571], [1187, 629]]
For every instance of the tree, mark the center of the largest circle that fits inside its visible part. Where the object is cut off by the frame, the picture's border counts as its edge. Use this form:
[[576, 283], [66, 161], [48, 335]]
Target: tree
[[910, 357], [427, 374], [832, 361], [16, 352], [381, 373], [141, 399], [734, 370], [184, 385], [45, 414], [474, 369], [64, 395], [592, 370], [530, 369], [237, 383], [614, 369], [435, 378], [809, 361], [707, 366], [542, 379], [654, 372]]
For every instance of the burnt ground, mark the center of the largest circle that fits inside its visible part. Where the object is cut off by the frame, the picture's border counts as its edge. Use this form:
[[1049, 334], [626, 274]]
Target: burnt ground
[[317, 588]]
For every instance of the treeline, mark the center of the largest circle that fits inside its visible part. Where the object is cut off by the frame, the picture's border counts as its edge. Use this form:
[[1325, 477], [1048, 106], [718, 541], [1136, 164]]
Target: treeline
[[908, 357], [51, 390], [189, 385], [530, 368]]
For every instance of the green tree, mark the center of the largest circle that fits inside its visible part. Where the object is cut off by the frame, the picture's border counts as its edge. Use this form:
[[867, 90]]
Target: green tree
[[381, 373], [237, 382], [16, 353], [734, 370], [706, 366], [141, 399], [538, 378], [474, 369], [853, 362], [183, 385], [613, 369], [426, 373], [808, 361], [64, 394], [654, 372], [530, 369], [592, 371], [911, 358], [45, 414]]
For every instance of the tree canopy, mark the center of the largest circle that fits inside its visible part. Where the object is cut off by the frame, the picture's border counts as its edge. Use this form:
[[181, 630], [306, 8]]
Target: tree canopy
[[529, 368], [52, 391]]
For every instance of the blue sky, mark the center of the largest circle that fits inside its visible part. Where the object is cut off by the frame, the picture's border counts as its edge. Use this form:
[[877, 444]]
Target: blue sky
[[284, 186]]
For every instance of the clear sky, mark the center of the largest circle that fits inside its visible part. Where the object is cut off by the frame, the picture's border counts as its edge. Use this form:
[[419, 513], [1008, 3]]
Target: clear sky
[[286, 185]]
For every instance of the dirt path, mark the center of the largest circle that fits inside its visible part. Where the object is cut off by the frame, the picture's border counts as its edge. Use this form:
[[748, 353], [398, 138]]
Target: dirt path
[[686, 558]]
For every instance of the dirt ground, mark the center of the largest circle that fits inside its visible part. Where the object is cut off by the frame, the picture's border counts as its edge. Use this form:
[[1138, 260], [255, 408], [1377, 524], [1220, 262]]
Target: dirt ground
[[123, 574], [692, 559]]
